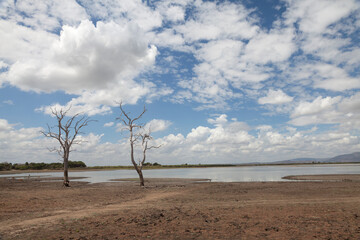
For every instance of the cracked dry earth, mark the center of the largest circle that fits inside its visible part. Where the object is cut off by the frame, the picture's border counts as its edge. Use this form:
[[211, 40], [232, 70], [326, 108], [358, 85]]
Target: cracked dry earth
[[179, 209]]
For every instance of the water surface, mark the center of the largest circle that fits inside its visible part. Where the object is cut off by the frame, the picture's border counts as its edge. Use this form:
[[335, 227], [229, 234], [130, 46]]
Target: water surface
[[215, 174]]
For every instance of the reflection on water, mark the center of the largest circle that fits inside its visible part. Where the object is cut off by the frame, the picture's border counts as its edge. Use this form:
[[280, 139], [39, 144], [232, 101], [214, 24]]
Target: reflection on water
[[221, 174]]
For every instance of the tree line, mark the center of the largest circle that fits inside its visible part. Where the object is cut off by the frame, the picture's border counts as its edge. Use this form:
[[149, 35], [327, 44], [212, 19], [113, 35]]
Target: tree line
[[40, 166]]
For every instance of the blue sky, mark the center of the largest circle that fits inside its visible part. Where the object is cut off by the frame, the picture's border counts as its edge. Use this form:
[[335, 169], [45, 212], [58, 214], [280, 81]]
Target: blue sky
[[223, 81]]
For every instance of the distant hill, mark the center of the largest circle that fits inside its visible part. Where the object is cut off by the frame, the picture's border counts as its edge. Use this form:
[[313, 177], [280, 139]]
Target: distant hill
[[352, 157], [301, 160]]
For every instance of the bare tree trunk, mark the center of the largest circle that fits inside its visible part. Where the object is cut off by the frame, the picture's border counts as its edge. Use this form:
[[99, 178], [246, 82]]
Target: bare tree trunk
[[66, 170], [138, 170], [66, 175], [142, 182], [141, 177]]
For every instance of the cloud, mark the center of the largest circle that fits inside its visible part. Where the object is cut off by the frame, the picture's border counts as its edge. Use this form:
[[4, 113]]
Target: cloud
[[225, 132], [219, 121], [318, 105], [328, 48], [98, 63], [157, 125], [112, 59], [318, 75], [172, 11], [3, 65], [22, 43], [77, 108], [122, 12], [8, 102], [342, 111], [88, 142], [198, 134], [86, 57], [19, 145], [333, 78], [275, 97], [45, 15], [232, 59], [211, 21], [4, 125], [168, 38], [109, 124], [219, 55], [325, 31], [175, 13], [316, 17], [275, 46], [224, 143], [350, 104]]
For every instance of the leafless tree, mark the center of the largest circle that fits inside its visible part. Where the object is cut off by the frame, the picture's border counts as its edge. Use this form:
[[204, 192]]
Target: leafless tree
[[66, 132], [137, 132]]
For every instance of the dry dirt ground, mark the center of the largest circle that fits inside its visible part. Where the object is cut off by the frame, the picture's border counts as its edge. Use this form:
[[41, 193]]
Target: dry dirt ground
[[179, 209]]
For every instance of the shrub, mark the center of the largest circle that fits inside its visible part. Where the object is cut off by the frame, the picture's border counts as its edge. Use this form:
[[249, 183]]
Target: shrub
[[39, 166], [76, 164], [5, 166]]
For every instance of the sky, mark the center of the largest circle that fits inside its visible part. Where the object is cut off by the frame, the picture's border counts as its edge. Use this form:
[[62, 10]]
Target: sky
[[222, 81]]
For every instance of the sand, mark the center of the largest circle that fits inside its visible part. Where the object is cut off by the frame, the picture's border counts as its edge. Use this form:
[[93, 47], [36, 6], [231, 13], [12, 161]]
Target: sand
[[181, 209]]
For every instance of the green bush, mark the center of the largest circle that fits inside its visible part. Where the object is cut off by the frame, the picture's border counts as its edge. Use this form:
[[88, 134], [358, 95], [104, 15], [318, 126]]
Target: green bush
[[5, 166], [76, 164]]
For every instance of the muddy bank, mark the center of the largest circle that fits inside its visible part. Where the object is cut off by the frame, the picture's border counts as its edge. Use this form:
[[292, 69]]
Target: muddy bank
[[163, 181], [330, 177], [175, 209]]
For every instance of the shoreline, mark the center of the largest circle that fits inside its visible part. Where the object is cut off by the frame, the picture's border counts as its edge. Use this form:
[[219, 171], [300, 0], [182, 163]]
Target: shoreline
[[325, 177]]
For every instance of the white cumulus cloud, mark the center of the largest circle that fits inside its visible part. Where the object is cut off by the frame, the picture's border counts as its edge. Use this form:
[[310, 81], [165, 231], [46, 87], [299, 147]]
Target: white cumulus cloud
[[98, 63], [157, 125], [86, 57], [275, 97], [316, 16], [343, 111], [4, 125], [109, 124]]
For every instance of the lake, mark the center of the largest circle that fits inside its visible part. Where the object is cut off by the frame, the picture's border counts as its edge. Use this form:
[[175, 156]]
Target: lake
[[215, 174]]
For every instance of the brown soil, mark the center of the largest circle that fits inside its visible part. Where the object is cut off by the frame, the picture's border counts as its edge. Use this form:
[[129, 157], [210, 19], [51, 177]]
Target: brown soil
[[331, 177], [177, 209]]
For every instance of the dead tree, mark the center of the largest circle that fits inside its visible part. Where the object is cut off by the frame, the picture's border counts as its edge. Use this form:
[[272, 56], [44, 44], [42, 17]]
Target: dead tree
[[66, 132], [145, 138], [136, 132]]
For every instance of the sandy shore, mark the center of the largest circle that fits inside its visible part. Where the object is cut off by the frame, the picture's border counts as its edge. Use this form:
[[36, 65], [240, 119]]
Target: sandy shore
[[178, 209], [330, 177]]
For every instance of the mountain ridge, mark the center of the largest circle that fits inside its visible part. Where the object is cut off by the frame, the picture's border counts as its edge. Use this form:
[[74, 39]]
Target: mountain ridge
[[351, 157]]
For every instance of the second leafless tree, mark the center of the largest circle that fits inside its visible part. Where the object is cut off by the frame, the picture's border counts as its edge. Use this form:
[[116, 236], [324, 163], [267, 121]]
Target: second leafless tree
[[137, 132]]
